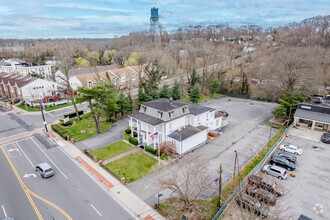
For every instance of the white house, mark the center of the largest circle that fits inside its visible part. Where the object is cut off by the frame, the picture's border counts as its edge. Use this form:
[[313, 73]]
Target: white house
[[186, 125], [27, 88]]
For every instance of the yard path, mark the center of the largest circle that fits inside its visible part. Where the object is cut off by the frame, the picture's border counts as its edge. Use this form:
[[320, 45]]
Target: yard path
[[119, 156], [113, 135]]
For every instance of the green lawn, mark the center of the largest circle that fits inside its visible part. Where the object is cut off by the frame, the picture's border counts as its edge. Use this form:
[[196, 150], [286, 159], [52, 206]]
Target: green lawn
[[111, 150], [30, 109], [126, 137], [133, 166], [75, 131], [202, 98]]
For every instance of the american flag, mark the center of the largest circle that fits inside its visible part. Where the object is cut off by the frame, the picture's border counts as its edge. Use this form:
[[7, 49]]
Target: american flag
[[154, 135]]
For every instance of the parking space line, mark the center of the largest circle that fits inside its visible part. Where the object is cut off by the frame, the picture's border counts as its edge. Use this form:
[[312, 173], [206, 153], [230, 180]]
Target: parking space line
[[48, 157], [96, 210], [25, 154], [4, 211]]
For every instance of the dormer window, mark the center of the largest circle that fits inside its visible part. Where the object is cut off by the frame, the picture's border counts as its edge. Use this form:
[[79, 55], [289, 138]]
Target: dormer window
[[90, 84], [123, 78], [160, 115], [144, 109], [184, 110], [170, 114], [113, 80]]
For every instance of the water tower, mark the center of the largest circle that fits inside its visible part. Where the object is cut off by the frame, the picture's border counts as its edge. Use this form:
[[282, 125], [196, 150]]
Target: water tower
[[154, 24]]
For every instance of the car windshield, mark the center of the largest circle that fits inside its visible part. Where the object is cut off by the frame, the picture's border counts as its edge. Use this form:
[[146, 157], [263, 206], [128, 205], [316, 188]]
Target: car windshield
[[48, 170], [258, 205]]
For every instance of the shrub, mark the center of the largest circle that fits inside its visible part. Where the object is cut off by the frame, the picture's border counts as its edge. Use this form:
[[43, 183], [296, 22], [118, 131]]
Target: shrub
[[128, 130], [133, 140], [68, 123], [60, 131], [151, 150], [164, 157], [73, 114], [50, 105], [134, 134]]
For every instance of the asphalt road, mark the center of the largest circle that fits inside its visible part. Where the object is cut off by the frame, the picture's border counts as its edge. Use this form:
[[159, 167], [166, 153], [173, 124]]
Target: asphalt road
[[70, 194]]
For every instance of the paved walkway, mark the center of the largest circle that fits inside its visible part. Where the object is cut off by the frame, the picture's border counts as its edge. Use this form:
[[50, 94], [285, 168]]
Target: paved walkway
[[124, 196], [113, 135], [21, 135], [119, 156]]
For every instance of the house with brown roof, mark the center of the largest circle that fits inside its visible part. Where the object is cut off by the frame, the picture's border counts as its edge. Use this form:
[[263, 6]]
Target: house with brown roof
[[27, 88], [122, 78]]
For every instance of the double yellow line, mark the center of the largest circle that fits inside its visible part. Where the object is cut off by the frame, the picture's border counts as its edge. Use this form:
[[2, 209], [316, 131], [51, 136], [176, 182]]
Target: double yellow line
[[28, 192]]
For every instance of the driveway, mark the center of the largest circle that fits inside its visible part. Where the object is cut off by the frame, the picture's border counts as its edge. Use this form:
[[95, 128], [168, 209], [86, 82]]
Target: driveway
[[114, 134], [245, 133], [309, 192]]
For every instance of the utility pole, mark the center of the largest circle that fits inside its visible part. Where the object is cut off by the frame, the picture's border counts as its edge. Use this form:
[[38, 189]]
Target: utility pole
[[43, 117], [235, 164], [289, 114], [220, 183]]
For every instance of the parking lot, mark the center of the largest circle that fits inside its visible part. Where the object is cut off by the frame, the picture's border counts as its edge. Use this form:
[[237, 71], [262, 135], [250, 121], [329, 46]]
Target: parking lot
[[309, 192]]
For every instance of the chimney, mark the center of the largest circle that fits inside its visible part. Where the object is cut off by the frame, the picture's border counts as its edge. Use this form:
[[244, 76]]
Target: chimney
[[171, 100]]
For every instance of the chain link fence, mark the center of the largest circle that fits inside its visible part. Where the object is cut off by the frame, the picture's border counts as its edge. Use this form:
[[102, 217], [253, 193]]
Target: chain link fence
[[253, 171]]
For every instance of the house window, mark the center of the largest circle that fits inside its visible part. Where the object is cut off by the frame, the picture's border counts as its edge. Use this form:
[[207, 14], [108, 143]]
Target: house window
[[170, 114], [113, 80], [207, 116], [217, 121], [90, 84], [198, 119], [160, 115], [183, 110], [170, 127], [134, 77], [144, 109], [123, 78]]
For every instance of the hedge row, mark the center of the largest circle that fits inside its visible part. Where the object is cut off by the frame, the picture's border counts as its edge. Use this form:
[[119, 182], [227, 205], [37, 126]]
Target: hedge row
[[73, 114], [133, 140], [151, 150], [60, 131], [128, 130]]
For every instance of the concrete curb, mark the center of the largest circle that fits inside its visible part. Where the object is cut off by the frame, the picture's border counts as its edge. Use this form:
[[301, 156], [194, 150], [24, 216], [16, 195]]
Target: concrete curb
[[136, 206]]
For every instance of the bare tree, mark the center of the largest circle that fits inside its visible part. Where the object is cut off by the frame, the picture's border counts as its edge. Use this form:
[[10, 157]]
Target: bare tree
[[167, 148], [66, 53]]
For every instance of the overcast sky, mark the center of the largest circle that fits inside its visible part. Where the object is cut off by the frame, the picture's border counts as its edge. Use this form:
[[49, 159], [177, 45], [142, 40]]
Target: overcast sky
[[108, 18]]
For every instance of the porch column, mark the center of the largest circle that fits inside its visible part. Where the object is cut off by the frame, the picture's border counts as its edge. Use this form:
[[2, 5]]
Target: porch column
[[131, 125], [154, 138], [138, 131], [313, 126], [295, 121]]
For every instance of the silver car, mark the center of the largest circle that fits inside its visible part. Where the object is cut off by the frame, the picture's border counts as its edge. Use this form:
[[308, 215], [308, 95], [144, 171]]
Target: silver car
[[276, 171], [290, 148], [45, 170]]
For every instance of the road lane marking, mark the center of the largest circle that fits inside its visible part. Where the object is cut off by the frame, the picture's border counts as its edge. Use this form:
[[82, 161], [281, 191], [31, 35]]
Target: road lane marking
[[96, 210], [4, 211], [51, 204], [25, 154], [22, 184], [29, 174], [48, 158], [112, 196]]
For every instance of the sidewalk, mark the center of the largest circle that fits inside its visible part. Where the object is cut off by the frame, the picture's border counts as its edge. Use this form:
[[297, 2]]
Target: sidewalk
[[137, 207]]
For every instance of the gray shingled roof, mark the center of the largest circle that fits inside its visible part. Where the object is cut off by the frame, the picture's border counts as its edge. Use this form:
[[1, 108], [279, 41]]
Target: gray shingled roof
[[80, 71], [186, 132], [164, 104], [196, 109], [2, 63], [146, 118], [314, 116]]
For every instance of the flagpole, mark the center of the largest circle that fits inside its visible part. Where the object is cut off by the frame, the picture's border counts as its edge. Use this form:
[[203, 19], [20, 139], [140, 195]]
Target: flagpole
[[158, 155]]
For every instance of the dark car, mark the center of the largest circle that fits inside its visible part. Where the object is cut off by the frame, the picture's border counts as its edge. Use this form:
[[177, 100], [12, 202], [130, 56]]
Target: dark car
[[252, 204], [261, 194], [282, 162], [326, 138], [224, 112], [264, 183], [290, 157]]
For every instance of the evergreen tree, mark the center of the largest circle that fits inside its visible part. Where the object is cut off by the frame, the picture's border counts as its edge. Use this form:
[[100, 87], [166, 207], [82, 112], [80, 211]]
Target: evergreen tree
[[176, 93], [214, 87], [194, 94], [165, 92]]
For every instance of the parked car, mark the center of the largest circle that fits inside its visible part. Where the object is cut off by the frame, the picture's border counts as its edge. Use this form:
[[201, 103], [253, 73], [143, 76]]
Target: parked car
[[261, 194], [45, 170], [290, 157], [326, 138], [276, 171], [224, 112], [252, 204], [264, 183], [290, 148], [280, 161]]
